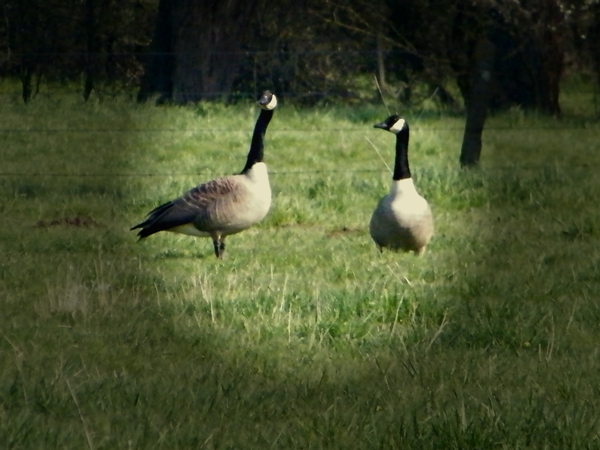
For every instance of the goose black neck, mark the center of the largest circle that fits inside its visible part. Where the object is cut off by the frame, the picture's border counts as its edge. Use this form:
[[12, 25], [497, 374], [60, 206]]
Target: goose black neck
[[401, 169], [256, 153]]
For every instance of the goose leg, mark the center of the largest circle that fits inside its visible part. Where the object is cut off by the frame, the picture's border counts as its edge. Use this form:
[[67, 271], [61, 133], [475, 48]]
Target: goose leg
[[217, 246], [216, 238]]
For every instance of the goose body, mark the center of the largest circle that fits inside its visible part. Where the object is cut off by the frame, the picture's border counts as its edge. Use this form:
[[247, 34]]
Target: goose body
[[402, 220], [223, 206]]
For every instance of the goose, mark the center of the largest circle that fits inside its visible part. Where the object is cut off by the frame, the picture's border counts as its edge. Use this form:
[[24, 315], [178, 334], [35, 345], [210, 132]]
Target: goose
[[402, 220], [223, 206]]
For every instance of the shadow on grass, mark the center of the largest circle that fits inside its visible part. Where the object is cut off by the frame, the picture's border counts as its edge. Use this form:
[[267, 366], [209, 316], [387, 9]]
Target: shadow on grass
[[137, 377], [523, 282]]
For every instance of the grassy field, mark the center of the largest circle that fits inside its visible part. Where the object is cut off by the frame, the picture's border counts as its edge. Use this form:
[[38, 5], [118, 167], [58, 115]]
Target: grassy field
[[304, 336]]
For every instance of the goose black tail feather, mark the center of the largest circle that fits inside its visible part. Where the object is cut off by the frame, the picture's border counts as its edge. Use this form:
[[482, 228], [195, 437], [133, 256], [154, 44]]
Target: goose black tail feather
[[152, 224]]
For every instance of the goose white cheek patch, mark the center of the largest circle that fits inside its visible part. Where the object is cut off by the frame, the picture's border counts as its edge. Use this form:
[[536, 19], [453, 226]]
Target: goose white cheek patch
[[397, 127], [271, 105]]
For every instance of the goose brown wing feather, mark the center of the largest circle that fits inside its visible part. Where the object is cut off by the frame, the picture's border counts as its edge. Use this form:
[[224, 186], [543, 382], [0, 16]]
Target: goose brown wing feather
[[208, 202], [197, 206]]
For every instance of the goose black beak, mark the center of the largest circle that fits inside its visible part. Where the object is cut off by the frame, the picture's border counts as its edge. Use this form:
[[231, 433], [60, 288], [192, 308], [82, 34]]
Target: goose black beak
[[265, 98], [382, 125]]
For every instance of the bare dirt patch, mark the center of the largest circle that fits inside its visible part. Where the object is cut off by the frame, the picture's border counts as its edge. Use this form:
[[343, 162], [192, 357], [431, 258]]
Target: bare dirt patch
[[77, 222], [343, 231]]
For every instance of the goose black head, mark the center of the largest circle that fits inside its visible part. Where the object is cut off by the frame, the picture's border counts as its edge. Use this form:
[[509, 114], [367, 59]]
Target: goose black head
[[393, 124], [267, 101]]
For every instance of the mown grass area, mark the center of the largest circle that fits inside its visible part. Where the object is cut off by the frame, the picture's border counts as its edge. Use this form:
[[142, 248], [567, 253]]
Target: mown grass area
[[304, 336]]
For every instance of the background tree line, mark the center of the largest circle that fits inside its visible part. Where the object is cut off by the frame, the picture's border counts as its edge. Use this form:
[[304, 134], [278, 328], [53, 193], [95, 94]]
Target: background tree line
[[184, 50]]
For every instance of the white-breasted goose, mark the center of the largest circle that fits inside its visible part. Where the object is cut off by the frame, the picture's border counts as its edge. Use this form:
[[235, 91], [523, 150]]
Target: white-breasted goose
[[402, 219], [226, 205]]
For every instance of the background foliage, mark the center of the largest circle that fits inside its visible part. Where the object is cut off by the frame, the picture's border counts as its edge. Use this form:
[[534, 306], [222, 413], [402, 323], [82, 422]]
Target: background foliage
[[308, 50]]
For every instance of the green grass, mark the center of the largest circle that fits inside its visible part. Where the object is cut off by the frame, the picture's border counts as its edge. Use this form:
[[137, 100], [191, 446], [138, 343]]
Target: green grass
[[304, 336]]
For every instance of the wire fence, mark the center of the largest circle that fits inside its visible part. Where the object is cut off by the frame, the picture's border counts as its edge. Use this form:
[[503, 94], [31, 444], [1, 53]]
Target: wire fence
[[486, 168], [171, 174], [595, 128], [588, 125], [591, 126]]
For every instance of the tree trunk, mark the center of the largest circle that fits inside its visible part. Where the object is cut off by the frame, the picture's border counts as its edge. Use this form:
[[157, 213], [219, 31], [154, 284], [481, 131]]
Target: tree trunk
[[477, 105], [594, 39], [158, 64], [26, 73], [541, 58], [90, 27], [381, 61], [197, 49], [529, 54]]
